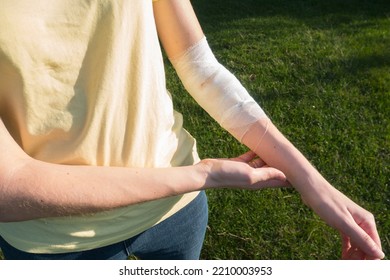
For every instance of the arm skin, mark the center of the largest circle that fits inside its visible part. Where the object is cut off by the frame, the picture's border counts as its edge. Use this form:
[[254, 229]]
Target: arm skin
[[31, 189], [179, 29]]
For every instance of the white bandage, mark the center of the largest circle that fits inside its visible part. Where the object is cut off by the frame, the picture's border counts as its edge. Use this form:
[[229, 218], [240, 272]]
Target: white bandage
[[217, 90]]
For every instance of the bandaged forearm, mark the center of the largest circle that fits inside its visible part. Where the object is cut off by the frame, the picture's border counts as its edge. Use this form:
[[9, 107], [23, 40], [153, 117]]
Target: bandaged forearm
[[217, 90]]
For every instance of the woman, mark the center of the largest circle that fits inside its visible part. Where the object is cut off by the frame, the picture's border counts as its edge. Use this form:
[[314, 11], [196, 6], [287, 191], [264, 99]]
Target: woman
[[100, 164]]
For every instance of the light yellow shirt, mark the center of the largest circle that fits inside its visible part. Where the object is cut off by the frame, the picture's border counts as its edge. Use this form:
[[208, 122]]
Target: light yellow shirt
[[82, 82]]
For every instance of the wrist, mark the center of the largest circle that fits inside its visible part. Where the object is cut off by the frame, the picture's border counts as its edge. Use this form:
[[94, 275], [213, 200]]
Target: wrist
[[314, 191], [203, 169]]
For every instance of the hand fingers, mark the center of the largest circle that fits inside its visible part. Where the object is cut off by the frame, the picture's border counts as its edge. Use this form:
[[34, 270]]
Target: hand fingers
[[250, 158], [247, 157], [273, 184], [350, 252], [257, 163], [367, 223], [264, 176], [270, 177], [356, 254], [358, 238], [346, 246]]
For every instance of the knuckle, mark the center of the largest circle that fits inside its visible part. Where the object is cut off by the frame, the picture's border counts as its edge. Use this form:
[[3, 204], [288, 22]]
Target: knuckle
[[370, 216]]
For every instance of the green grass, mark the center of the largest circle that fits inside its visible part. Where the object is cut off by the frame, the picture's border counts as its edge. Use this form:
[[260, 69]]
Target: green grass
[[321, 70]]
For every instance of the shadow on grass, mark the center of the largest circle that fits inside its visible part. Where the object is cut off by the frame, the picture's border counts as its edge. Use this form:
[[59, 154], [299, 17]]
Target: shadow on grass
[[371, 61], [215, 14], [346, 19]]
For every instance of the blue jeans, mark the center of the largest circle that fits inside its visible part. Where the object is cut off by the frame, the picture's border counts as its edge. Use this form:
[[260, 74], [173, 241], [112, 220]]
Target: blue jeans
[[180, 237]]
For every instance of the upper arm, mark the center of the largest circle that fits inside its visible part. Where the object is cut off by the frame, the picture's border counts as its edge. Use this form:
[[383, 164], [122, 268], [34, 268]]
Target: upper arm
[[177, 25]]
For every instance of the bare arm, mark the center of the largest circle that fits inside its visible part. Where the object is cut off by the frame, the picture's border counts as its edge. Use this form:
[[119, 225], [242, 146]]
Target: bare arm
[[31, 189], [355, 224], [179, 29]]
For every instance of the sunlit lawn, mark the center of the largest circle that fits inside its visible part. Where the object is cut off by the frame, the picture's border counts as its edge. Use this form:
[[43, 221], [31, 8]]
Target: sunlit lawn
[[321, 70]]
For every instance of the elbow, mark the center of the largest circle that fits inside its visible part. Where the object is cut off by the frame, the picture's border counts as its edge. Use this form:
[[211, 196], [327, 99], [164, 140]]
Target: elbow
[[9, 210], [4, 219], [9, 215], [13, 208], [5, 204], [4, 216], [12, 194]]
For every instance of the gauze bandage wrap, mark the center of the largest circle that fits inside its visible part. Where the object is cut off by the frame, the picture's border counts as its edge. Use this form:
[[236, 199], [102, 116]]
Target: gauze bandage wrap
[[217, 90]]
